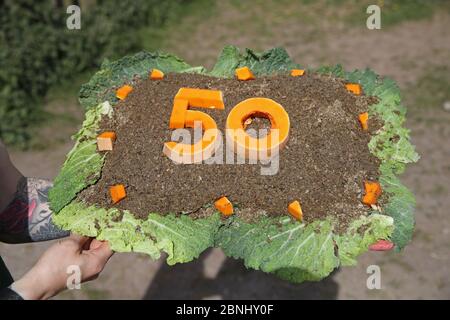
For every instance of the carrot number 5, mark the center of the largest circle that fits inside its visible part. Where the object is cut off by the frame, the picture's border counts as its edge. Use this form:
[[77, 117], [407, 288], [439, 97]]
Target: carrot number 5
[[182, 117]]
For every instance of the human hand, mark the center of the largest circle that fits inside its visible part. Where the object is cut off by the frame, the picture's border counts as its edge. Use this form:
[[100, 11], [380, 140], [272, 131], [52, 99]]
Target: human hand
[[49, 276]]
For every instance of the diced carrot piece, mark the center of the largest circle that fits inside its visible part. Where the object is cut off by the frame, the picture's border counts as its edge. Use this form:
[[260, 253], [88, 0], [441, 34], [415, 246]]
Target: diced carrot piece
[[123, 92], [364, 120], [117, 193], [354, 88], [372, 192], [295, 210], [105, 141], [381, 245], [244, 74], [108, 134], [224, 206], [297, 72], [156, 74]]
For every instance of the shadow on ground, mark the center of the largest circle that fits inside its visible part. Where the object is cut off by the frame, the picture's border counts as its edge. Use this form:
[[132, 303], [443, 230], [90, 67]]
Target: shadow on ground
[[232, 281]]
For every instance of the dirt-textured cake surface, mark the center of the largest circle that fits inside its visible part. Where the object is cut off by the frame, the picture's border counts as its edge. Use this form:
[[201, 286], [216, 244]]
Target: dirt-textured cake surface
[[323, 164]]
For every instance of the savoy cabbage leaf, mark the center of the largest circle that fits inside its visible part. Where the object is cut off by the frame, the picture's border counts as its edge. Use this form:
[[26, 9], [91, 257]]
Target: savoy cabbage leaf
[[83, 163], [272, 61], [289, 248], [182, 238]]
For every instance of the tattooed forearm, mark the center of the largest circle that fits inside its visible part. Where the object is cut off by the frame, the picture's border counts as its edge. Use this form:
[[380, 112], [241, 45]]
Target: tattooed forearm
[[40, 225], [28, 217]]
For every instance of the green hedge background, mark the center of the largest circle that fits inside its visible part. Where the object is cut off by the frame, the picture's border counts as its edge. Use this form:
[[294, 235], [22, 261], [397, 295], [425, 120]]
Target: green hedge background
[[37, 50]]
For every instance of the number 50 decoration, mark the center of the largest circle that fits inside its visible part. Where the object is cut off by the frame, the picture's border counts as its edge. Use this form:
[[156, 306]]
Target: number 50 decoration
[[241, 143]]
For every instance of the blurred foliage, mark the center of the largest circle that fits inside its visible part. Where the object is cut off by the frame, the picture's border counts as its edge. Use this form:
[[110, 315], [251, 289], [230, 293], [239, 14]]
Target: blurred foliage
[[38, 51]]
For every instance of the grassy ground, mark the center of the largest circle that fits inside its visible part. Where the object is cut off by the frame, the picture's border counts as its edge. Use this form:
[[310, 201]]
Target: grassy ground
[[413, 47]]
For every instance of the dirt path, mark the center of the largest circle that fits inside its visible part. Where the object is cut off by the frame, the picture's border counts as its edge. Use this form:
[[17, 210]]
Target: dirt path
[[313, 38], [403, 52]]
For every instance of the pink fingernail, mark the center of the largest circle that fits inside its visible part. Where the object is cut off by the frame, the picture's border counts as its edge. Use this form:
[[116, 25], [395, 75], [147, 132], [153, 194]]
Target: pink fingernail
[[381, 245]]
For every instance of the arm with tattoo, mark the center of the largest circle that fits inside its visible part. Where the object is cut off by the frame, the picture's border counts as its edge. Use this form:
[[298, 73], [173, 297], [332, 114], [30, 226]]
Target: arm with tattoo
[[28, 217], [25, 215]]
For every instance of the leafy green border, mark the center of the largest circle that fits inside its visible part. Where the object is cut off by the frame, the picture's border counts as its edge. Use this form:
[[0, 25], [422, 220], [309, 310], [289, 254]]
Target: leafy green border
[[391, 145], [290, 249]]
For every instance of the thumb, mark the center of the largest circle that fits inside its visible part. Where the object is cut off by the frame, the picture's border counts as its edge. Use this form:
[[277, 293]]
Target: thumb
[[95, 258], [81, 241], [101, 250], [95, 244]]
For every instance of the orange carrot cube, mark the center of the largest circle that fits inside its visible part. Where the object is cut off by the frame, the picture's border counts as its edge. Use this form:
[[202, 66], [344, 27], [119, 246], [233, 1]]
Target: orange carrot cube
[[297, 72], [105, 141], [295, 210], [364, 120], [372, 190], [354, 88], [244, 74], [156, 74], [117, 193], [224, 206], [123, 91]]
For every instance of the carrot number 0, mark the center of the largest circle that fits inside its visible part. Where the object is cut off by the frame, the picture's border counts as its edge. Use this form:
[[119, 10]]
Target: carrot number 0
[[241, 143], [265, 147]]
